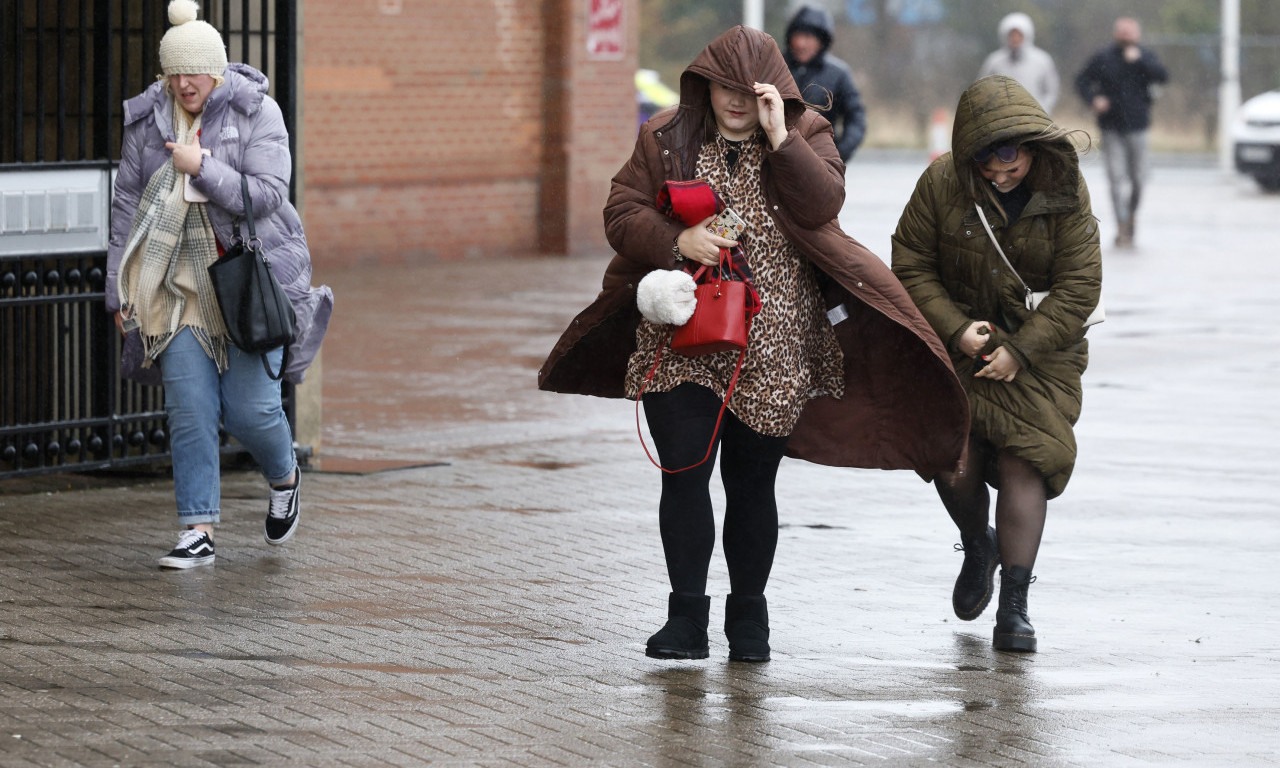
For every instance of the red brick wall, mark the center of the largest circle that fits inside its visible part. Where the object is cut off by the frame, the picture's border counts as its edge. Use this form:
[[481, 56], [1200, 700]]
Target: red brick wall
[[424, 128]]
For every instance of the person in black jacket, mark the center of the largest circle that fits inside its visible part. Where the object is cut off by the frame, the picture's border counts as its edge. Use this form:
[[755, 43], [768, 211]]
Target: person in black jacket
[[823, 79], [1116, 83]]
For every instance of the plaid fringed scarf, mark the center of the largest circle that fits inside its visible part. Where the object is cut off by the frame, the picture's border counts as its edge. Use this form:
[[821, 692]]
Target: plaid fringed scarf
[[171, 245]]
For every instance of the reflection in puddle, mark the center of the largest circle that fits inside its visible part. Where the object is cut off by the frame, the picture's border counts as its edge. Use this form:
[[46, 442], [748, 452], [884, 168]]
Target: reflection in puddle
[[908, 708]]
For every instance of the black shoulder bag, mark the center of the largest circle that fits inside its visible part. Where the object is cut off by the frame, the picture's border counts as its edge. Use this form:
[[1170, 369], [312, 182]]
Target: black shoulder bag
[[255, 309]]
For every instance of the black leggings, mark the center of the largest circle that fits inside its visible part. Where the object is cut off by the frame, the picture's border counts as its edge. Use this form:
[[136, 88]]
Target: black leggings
[[681, 422]]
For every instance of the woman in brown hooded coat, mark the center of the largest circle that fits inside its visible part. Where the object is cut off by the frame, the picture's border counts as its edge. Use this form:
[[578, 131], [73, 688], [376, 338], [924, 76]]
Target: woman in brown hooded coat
[[840, 369], [1021, 367]]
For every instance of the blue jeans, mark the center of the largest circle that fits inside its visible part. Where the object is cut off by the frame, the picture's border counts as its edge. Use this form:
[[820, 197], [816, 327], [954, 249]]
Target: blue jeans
[[243, 399]]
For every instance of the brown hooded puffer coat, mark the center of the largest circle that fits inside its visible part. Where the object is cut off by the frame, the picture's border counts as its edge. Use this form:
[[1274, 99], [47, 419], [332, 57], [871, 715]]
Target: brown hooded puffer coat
[[903, 407], [947, 262]]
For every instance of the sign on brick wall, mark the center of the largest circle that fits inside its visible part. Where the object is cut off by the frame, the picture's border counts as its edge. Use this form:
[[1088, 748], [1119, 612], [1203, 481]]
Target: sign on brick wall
[[605, 30]]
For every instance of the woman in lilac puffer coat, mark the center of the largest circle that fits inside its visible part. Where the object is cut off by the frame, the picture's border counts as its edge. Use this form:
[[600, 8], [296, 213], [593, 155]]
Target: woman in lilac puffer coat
[[189, 140]]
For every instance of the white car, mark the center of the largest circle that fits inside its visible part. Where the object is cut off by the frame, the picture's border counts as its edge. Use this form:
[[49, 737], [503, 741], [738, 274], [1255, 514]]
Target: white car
[[1256, 136]]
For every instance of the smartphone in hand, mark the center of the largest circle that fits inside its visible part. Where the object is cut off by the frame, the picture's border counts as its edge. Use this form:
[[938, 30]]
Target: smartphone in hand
[[728, 224]]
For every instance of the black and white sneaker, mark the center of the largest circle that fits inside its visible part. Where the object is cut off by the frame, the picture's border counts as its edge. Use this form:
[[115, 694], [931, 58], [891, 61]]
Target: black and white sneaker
[[194, 548], [282, 514]]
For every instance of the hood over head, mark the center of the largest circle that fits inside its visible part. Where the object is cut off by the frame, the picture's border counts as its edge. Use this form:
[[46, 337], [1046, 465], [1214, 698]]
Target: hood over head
[[995, 110], [998, 110], [816, 21], [1021, 22], [737, 59]]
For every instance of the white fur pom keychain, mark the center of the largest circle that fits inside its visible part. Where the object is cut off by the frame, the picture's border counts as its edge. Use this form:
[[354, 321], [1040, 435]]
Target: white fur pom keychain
[[665, 296]]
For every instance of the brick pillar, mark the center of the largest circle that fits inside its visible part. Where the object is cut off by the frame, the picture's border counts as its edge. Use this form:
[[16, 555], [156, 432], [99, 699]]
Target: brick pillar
[[589, 121]]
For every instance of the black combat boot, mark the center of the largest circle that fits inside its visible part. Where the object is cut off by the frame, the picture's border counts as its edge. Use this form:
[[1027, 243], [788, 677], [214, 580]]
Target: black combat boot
[[975, 584], [684, 636], [746, 624], [1013, 629]]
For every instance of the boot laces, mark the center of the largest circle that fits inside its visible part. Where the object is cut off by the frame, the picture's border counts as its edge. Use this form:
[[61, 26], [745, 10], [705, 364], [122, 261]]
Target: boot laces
[[1018, 597]]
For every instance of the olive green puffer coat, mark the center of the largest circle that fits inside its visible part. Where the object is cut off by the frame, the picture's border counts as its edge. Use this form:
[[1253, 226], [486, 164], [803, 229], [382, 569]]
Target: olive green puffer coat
[[943, 257]]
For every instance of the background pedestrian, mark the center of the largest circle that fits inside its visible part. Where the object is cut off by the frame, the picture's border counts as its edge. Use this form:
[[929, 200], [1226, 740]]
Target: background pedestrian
[[826, 373], [1021, 368], [1019, 57], [1117, 84], [188, 141], [823, 79]]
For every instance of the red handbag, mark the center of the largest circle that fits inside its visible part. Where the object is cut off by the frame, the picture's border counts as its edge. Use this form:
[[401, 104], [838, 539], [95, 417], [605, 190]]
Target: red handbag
[[727, 302], [722, 315]]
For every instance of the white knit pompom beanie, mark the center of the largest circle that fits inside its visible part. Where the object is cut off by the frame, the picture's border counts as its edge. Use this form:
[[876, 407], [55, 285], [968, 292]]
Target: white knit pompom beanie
[[191, 47]]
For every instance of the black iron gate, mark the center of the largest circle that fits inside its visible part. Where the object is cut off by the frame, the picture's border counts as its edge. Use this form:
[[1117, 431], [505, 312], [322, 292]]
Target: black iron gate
[[66, 66]]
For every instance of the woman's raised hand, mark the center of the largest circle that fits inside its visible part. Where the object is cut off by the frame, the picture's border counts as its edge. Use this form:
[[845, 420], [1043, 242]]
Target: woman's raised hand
[[187, 157], [772, 117], [697, 243]]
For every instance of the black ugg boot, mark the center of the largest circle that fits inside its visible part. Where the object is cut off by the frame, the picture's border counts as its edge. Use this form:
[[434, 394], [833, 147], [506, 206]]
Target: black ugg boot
[[746, 624], [975, 584], [684, 636], [1013, 629]]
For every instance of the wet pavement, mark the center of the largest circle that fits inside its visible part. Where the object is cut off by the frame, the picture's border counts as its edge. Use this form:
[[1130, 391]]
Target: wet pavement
[[483, 599]]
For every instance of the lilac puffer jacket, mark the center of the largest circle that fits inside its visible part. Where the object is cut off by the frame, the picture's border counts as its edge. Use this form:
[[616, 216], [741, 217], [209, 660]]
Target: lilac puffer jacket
[[244, 130]]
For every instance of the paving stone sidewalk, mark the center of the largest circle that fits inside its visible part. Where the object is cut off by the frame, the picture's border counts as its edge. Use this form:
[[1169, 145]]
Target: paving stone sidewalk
[[483, 600]]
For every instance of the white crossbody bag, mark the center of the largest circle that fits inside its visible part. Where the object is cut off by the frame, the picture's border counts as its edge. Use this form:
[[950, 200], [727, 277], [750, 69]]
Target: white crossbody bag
[[1033, 298]]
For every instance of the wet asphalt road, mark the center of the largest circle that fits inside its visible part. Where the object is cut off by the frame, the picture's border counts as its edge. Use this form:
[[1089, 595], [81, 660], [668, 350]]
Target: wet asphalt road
[[491, 609]]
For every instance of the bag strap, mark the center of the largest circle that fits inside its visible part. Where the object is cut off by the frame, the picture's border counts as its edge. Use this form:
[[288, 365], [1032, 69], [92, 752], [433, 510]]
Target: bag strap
[[728, 393], [732, 265], [248, 206], [284, 363], [248, 215], [1026, 289], [752, 309]]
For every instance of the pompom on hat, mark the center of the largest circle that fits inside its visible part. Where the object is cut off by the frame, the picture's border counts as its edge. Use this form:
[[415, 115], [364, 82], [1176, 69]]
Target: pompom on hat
[[191, 47]]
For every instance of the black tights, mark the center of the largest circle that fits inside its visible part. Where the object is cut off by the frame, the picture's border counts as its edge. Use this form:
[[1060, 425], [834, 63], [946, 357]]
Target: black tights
[[1021, 505], [681, 422]]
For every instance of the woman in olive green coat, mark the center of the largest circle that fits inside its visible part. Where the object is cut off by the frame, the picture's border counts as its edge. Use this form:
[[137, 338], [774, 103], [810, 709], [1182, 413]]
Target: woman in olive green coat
[[1021, 367]]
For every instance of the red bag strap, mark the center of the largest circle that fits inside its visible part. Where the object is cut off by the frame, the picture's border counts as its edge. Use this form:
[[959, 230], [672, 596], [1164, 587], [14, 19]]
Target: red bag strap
[[732, 266], [733, 382], [727, 262]]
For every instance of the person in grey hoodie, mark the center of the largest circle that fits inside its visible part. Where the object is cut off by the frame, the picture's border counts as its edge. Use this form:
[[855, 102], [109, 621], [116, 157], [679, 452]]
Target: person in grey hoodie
[[189, 141], [1019, 58]]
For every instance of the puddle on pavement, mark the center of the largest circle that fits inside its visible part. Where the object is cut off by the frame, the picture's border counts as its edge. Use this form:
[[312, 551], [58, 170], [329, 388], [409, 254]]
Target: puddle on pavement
[[343, 465], [528, 511], [906, 708], [548, 465], [196, 654]]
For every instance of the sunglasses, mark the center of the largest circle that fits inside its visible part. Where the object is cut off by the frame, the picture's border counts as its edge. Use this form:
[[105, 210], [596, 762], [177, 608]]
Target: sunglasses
[[1007, 153]]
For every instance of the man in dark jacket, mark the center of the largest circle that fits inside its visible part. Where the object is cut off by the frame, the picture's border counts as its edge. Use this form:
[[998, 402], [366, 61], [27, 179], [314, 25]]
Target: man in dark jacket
[[824, 80], [1116, 83]]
